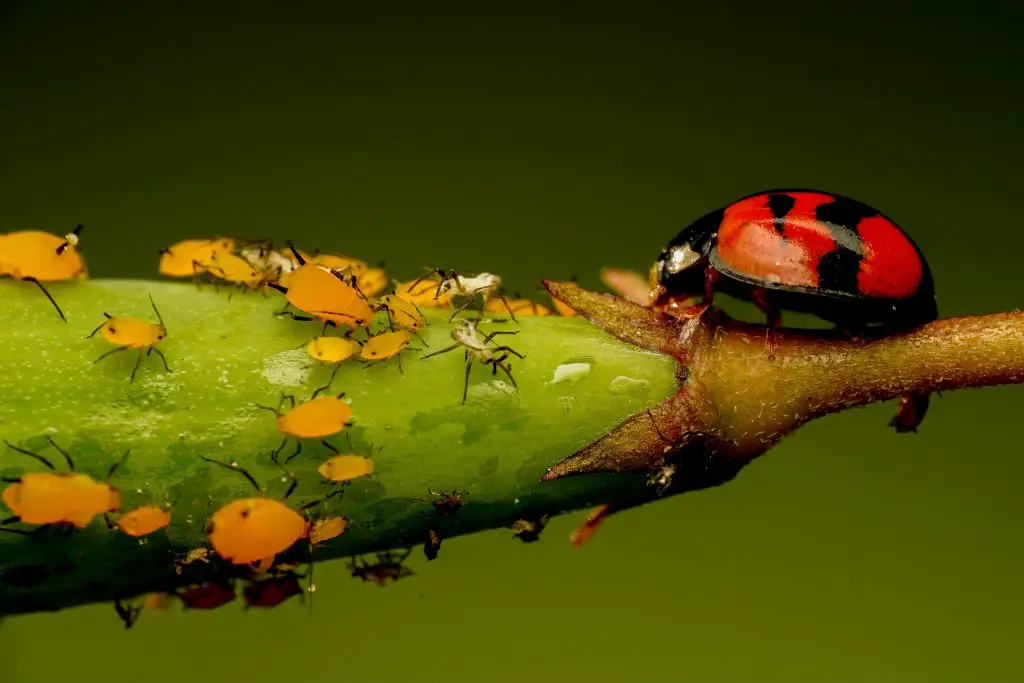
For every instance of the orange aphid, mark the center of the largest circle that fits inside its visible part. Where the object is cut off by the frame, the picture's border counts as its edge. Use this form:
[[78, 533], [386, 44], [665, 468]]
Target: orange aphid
[[40, 257], [373, 281], [57, 497], [346, 468], [234, 270], [317, 418], [381, 347], [185, 258], [403, 312], [327, 295], [144, 520], [519, 307], [422, 292], [154, 601], [325, 529], [250, 530], [562, 309], [334, 350]]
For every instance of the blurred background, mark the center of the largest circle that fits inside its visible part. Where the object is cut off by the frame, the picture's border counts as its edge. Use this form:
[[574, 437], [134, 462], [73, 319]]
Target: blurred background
[[546, 140]]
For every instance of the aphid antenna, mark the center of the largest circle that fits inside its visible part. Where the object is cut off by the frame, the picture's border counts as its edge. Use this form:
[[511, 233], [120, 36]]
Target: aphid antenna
[[234, 466], [69, 238], [25, 451], [117, 464], [156, 310]]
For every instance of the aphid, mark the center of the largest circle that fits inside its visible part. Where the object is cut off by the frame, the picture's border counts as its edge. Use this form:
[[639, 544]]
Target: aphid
[[183, 259], [388, 566], [129, 614], [40, 257], [210, 595], [432, 546], [273, 265], [250, 530], [484, 284], [132, 333], [590, 526], [424, 292], [372, 281], [334, 350], [465, 334], [326, 529], [403, 313], [70, 498], [518, 306], [342, 468], [447, 504], [802, 250], [145, 520], [317, 418], [273, 591], [384, 346], [194, 555], [528, 530], [234, 270], [325, 294]]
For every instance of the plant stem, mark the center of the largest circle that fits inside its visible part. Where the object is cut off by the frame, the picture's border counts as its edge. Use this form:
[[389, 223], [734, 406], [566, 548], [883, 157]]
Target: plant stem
[[227, 356]]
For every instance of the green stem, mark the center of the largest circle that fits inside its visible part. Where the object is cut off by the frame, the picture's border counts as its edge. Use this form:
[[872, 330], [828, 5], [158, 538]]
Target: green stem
[[227, 356]]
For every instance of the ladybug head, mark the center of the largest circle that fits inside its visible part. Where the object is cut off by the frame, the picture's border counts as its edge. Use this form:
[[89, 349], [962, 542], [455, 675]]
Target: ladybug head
[[680, 267]]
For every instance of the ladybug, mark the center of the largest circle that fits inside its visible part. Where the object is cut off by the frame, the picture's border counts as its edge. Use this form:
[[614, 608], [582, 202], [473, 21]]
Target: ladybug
[[803, 250]]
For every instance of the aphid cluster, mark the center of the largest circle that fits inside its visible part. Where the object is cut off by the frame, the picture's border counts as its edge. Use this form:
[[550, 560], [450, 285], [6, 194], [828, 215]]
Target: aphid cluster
[[258, 540]]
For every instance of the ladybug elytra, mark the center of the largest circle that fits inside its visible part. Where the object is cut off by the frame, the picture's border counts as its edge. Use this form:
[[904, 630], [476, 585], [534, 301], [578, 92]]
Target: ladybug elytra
[[803, 250]]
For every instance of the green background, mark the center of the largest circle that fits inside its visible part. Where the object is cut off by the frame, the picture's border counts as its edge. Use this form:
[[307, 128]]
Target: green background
[[534, 141]]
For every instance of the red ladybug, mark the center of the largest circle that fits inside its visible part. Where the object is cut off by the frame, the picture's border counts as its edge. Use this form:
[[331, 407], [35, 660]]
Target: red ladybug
[[802, 250]]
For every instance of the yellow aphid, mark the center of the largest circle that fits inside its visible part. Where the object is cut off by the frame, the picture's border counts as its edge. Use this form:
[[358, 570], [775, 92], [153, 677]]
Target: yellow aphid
[[184, 258], [519, 307], [372, 282], [326, 529], [328, 296], [233, 269], [317, 418], [386, 345], [155, 601], [424, 292], [332, 349], [132, 333], [403, 312], [346, 468], [40, 257]]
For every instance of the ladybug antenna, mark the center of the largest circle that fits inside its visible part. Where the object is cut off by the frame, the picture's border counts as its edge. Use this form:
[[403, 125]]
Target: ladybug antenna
[[237, 468]]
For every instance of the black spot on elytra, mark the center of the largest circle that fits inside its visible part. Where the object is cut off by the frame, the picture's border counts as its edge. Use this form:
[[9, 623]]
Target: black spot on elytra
[[780, 205], [25, 575], [838, 269]]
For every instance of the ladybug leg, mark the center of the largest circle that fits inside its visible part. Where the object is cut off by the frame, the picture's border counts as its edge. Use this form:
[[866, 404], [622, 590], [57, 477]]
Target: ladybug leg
[[761, 300], [910, 413]]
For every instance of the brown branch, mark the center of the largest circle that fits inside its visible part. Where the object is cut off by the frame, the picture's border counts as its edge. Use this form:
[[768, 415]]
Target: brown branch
[[734, 403]]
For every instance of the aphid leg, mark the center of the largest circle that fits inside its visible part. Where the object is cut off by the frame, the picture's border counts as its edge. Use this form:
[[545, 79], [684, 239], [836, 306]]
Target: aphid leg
[[291, 487], [277, 451], [295, 453], [287, 397], [237, 468], [761, 299], [131, 378], [465, 385], [98, 327], [293, 316], [110, 352], [108, 521], [316, 392], [507, 306], [460, 308], [444, 350], [506, 369], [29, 453], [295, 252], [48, 296], [153, 349], [117, 463], [337, 366], [508, 349]]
